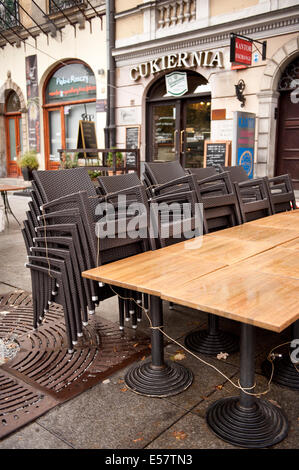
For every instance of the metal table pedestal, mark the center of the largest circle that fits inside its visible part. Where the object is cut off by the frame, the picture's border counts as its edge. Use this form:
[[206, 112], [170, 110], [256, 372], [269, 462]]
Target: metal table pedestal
[[158, 378], [247, 421]]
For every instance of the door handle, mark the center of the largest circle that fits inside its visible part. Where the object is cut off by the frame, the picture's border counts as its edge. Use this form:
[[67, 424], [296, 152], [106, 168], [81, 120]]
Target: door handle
[[174, 139], [182, 140]]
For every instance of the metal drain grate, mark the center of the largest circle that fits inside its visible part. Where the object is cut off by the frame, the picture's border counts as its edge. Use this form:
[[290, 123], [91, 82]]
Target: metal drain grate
[[43, 372]]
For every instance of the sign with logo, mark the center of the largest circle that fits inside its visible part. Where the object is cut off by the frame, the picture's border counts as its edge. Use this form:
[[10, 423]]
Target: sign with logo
[[33, 103], [240, 50], [71, 83], [243, 141], [181, 59], [176, 83]]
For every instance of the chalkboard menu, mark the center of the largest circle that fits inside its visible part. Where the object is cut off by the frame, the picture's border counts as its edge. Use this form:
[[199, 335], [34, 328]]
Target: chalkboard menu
[[87, 139], [132, 142], [217, 153]]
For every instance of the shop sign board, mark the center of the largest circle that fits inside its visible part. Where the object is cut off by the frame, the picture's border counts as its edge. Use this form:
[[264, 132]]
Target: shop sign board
[[32, 102], [176, 83], [72, 82], [240, 51], [243, 141], [180, 59]]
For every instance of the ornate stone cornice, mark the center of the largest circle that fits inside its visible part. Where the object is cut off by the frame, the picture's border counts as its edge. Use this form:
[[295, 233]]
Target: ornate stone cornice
[[214, 36]]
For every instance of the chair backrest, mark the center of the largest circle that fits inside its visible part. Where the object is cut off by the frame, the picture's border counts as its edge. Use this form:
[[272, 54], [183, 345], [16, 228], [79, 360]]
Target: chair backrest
[[112, 184], [201, 173], [237, 173], [253, 209], [281, 193], [163, 172]]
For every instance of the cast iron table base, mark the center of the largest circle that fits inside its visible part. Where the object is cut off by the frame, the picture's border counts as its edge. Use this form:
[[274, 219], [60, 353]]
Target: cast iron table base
[[247, 421], [213, 340], [157, 378], [286, 372]]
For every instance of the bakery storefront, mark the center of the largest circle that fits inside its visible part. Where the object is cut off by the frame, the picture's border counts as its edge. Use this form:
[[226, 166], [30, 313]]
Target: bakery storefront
[[69, 96], [181, 98], [176, 103]]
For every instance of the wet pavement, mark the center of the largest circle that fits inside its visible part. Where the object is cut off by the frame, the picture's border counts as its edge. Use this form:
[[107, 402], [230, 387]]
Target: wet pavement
[[110, 416]]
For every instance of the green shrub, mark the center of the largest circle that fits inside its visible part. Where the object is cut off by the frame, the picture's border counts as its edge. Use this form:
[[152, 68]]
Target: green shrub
[[29, 160], [119, 158], [69, 161]]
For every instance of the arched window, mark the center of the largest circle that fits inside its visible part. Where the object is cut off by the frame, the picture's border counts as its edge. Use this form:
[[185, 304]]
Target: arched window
[[69, 96]]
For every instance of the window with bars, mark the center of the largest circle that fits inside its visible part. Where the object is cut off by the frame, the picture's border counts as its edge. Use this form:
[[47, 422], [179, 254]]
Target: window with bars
[[9, 14], [57, 5]]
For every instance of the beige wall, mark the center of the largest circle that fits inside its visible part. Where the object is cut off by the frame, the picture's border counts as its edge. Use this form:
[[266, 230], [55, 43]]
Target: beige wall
[[87, 47], [220, 7], [123, 5], [129, 26]]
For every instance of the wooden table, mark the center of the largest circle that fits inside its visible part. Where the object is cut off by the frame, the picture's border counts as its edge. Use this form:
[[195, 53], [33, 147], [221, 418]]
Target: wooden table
[[4, 190], [247, 273]]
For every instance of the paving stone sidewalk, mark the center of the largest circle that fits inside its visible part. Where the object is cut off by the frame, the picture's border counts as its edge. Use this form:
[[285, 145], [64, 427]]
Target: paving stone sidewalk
[[108, 416]]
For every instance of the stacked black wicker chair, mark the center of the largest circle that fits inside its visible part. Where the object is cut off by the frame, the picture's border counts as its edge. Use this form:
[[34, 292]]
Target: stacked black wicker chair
[[61, 243], [87, 201], [125, 185], [254, 207], [220, 210], [154, 377], [52, 279], [279, 188]]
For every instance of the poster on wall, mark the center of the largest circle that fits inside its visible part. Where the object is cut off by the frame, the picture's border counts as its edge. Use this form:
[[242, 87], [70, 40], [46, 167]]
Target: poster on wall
[[33, 103], [243, 141]]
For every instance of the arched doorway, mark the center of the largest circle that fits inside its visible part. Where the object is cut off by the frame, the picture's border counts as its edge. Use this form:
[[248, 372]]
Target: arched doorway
[[177, 126], [13, 132], [69, 95], [287, 151]]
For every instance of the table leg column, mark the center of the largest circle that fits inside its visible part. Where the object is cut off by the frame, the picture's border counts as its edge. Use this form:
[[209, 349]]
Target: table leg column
[[286, 365], [247, 421], [157, 378], [213, 340]]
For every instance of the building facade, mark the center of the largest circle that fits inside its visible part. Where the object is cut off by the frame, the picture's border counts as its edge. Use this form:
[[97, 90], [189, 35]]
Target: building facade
[[176, 85], [52, 75]]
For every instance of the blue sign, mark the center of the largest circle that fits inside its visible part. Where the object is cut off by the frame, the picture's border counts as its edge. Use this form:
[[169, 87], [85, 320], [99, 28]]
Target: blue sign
[[246, 160], [243, 141]]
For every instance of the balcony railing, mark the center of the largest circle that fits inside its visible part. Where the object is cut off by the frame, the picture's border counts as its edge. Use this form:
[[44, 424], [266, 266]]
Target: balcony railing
[[171, 13], [9, 14], [56, 5]]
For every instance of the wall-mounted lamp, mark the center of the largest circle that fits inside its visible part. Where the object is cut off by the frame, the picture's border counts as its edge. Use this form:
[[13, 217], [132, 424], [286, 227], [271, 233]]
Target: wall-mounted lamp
[[101, 72], [239, 92]]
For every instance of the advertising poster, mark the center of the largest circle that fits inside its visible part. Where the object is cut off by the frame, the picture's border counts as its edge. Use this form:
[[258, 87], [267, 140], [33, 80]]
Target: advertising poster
[[33, 103], [243, 141]]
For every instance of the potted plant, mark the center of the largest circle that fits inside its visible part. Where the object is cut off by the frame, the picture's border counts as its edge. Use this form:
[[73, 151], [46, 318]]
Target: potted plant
[[119, 159], [28, 162], [69, 161]]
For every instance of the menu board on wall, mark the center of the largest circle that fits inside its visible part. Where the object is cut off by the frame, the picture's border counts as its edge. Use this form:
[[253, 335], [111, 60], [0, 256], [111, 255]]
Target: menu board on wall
[[87, 139], [32, 102], [132, 142], [217, 153]]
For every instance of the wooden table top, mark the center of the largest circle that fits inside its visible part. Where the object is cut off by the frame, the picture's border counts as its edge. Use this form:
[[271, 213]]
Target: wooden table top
[[7, 187], [247, 273]]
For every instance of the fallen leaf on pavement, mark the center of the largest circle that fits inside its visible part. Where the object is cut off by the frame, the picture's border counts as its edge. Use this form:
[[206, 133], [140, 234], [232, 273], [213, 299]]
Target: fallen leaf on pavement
[[123, 389], [222, 356], [138, 439], [178, 357], [180, 435], [219, 387]]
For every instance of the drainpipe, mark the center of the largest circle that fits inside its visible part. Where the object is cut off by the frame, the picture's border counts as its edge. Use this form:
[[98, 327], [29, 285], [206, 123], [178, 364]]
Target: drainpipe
[[110, 130]]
